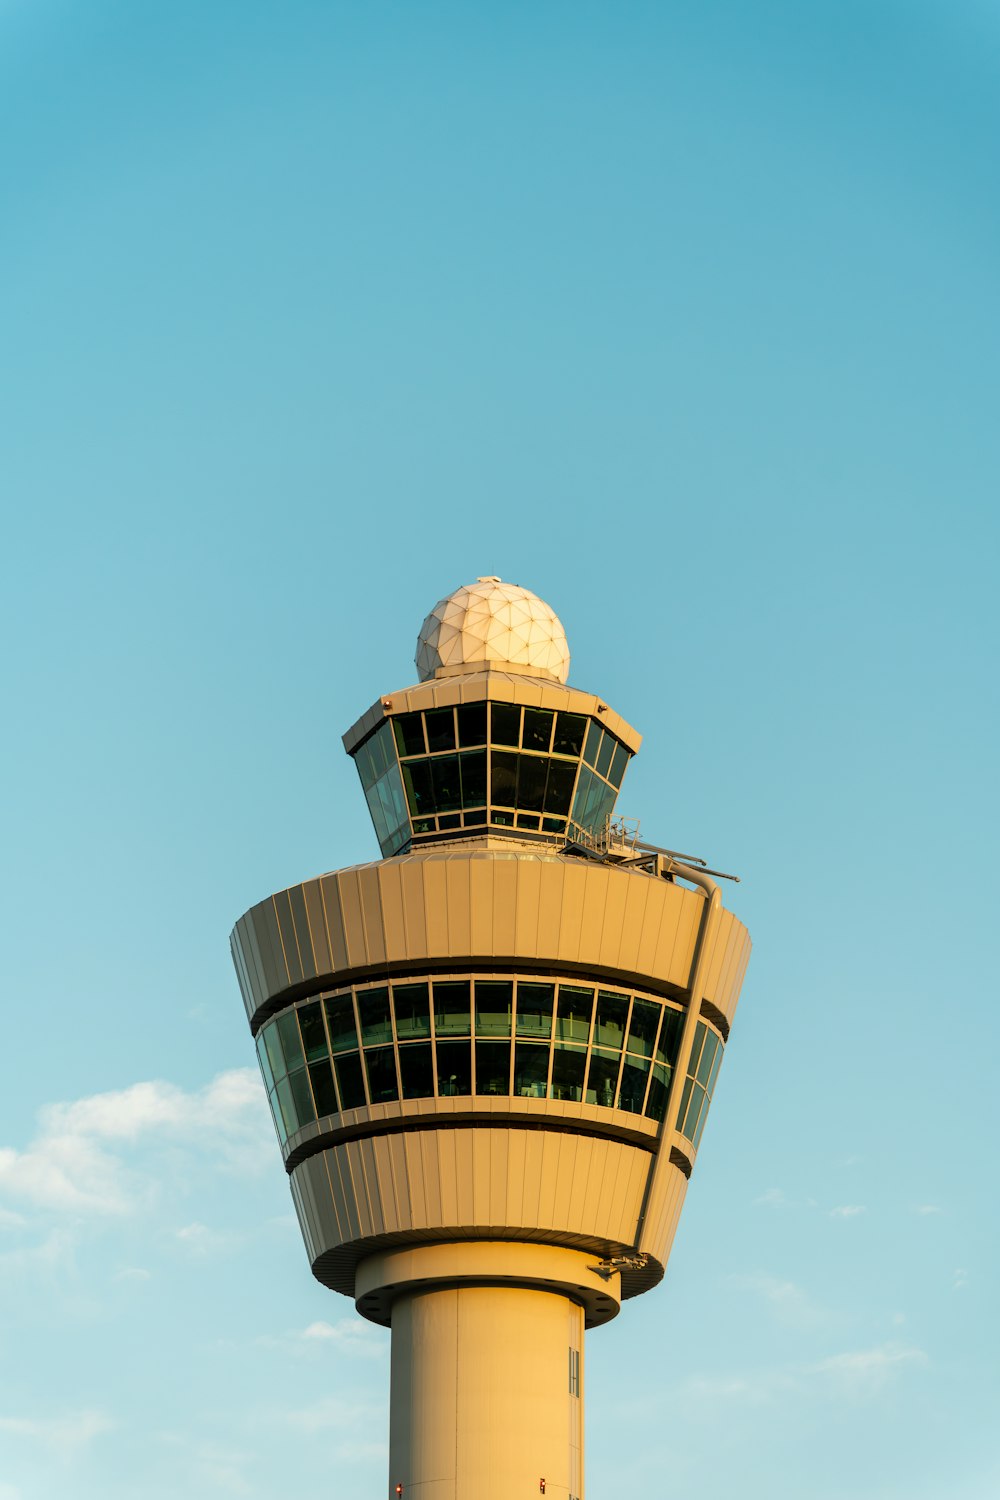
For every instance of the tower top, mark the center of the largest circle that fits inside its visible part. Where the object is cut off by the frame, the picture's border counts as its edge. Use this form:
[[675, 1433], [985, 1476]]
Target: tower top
[[493, 623]]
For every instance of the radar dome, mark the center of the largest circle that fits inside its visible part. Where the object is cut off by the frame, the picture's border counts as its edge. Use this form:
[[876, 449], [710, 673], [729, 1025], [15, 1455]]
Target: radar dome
[[491, 623]]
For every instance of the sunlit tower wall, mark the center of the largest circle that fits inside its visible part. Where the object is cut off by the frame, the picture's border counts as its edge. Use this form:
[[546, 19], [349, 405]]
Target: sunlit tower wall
[[490, 1054]]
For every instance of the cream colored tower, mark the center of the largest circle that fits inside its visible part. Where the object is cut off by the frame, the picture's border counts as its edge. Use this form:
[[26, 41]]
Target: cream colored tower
[[490, 1054]]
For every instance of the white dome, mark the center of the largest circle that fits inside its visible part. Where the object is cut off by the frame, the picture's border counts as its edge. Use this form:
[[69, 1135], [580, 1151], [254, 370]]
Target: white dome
[[489, 623]]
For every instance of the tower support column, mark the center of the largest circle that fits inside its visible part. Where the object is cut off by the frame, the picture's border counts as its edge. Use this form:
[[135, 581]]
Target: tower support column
[[487, 1366]]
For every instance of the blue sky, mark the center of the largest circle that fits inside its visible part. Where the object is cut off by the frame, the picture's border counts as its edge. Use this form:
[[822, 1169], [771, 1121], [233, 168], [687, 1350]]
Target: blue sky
[[685, 316]]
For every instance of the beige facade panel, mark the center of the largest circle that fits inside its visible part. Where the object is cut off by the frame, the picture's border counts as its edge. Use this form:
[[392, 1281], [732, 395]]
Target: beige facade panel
[[458, 1183], [462, 905]]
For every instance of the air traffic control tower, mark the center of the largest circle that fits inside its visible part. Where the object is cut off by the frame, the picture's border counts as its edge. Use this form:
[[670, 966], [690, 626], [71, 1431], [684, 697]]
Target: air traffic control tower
[[490, 1054]]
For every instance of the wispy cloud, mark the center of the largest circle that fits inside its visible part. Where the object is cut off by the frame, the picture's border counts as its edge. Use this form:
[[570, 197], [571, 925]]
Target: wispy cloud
[[847, 1211], [863, 1372], [336, 1415], [66, 1434], [771, 1198], [961, 1279], [352, 1336], [78, 1161], [928, 1208], [789, 1302]]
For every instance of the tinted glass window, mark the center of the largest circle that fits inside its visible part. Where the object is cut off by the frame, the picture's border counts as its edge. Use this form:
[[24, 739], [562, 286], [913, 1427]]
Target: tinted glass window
[[302, 1096], [349, 1081], [656, 1104], [419, 792], [567, 1073], [447, 788], [505, 719], [602, 1079], [265, 1063], [416, 1071], [642, 1027], [605, 755], [286, 1106], [409, 734], [493, 1007], [559, 787], [373, 1010], [492, 1067], [531, 1069], [633, 1085], [569, 734], [340, 1019], [440, 729], [534, 1009], [321, 1076], [537, 729], [274, 1053], [531, 771], [504, 774], [381, 1065], [288, 1033], [592, 742], [473, 768], [618, 765], [576, 1006], [669, 1040], [454, 1061], [471, 724], [313, 1032], [612, 1013], [707, 1058], [413, 1010], [451, 1008]]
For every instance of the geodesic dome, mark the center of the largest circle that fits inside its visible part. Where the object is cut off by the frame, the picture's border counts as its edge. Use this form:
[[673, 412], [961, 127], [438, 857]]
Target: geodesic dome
[[493, 623]]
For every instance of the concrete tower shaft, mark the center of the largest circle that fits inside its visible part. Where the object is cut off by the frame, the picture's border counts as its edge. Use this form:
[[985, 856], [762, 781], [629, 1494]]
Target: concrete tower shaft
[[490, 1054]]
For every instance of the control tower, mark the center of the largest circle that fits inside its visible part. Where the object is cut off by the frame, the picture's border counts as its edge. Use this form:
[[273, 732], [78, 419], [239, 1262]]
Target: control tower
[[490, 1053]]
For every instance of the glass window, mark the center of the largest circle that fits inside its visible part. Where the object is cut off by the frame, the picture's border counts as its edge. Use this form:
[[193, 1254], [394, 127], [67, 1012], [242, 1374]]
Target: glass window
[[715, 1070], [700, 1126], [381, 1065], [453, 820], [409, 734], [301, 1096], [593, 742], [454, 1061], [531, 770], [451, 1007], [642, 1027], [537, 730], [505, 724], [321, 1077], [274, 1053], [602, 1079], [474, 819], [707, 1058], [669, 1041], [288, 1035], [553, 825], [493, 1007], [265, 1063], [503, 773], [419, 792], [569, 734], [492, 1067], [618, 766], [349, 1081], [373, 1011], [473, 769], [576, 1006], [279, 1123], [559, 787], [286, 1105], [531, 1068], [381, 749], [502, 819], [699, 1041], [447, 789], [632, 1090], [656, 1104], [413, 1010], [568, 1066], [694, 1110], [416, 1071], [685, 1097], [606, 754], [528, 820], [440, 729], [471, 724], [340, 1020], [612, 1013], [313, 1032], [363, 761], [534, 1009]]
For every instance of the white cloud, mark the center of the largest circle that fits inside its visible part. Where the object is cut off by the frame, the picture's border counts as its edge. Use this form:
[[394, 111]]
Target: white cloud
[[847, 1211], [928, 1208], [961, 1279], [771, 1198], [333, 1414], [790, 1304], [65, 1434], [77, 1162], [864, 1372]]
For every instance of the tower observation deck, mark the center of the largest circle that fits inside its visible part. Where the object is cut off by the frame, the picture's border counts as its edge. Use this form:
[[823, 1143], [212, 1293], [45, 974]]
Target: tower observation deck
[[490, 1054]]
